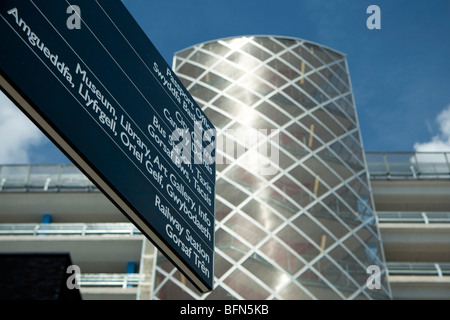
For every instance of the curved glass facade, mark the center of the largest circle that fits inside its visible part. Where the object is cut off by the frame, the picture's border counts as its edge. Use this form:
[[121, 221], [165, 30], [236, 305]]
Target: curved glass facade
[[306, 228]]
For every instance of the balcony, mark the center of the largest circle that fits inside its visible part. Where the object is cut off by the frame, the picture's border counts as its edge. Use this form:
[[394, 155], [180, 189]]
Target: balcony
[[409, 181], [419, 280], [79, 229], [408, 165], [413, 217], [43, 178], [95, 248]]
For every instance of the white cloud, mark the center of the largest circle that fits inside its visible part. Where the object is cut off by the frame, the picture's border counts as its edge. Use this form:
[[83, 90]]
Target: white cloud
[[440, 142], [17, 133]]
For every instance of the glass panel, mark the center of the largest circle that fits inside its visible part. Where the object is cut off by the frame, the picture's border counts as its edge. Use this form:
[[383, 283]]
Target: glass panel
[[220, 293], [233, 248], [287, 42], [277, 202], [270, 111], [340, 117], [335, 163], [244, 60], [298, 133], [329, 122], [349, 158], [218, 119], [44, 177], [244, 178], [217, 48], [400, 164], [300, 98], [222, 210], [184, 81], [304, 177], [203, 58], [334, 80], [243, 95], [376, 164], [307, 54], [170, 291], [433, 163], [246, 229], [247, 288], [216, 81], [266, 272], [335, 276], [353, 146], [340, 70], [228, 70], [318, 288], [270, 76], [329, 220], [354, 268], [293, 191], [313, 91], [267, 218], [358, 250], [317, 233], [230, 106], [14, 176], [318, 52], [322, 173], [341, 210], [71, 177], [230, 192], [283, 69], [191, 70], [256, 52], [200, 92], [320, 82], [298, 243], [290, 144], [184, 53], [268, 44], [293, 292], [334, 55], [221, 265], [281, 256], [297, 62], [250, 82], [285, 161], [347, 107], [318, 135]]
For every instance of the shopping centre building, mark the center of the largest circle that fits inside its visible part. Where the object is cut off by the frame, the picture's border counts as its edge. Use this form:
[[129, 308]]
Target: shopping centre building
[[302, 211]]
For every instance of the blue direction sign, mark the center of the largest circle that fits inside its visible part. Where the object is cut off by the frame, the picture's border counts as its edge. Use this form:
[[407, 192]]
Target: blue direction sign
[[88, 76]]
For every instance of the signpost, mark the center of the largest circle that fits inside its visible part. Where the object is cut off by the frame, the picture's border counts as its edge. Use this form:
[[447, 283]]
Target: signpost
[[88, 76]]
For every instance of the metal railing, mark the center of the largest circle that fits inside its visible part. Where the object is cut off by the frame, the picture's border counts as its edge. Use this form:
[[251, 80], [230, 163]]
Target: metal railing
[[82, 229], [117, 280], [413, 217], [55, 178], [418, 268], [408, 165]]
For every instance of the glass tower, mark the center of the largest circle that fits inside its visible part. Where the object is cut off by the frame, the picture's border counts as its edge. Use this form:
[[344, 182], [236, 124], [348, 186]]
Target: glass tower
[[294, 210]]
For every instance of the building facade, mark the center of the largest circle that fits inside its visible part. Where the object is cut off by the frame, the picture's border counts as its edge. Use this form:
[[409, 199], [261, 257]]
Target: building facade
[[295, 216], [412, 197], [295, 206]]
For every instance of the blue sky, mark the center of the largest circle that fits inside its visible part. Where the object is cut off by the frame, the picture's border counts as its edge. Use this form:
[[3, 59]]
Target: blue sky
[[400, 73]]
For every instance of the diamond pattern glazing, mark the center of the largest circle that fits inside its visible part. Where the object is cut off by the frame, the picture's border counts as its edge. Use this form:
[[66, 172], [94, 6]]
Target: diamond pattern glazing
[[306, 230]]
